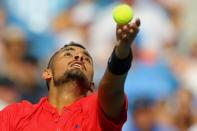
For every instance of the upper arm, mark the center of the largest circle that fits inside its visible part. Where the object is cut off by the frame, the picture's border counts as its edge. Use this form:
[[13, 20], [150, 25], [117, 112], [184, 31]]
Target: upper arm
[[7, 116], [96, 114], [107, 123], [11, 115], [111, 94]]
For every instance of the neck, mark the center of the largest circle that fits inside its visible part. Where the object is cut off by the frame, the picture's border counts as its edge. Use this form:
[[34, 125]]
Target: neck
[[64, 95]]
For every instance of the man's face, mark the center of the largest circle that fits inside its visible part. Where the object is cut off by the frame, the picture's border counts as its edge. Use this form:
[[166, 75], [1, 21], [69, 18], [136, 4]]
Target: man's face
[[72, 60]]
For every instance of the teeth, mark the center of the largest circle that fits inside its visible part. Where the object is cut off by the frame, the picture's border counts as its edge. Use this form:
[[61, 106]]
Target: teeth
[[78, 65]]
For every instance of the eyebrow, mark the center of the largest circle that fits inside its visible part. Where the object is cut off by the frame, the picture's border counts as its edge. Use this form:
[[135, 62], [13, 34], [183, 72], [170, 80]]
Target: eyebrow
[[87, 54], [73, 49], [68, 48]]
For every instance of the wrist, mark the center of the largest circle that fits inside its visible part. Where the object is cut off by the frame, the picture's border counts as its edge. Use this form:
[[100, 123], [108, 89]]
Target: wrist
[[122, 50], [119, 66]]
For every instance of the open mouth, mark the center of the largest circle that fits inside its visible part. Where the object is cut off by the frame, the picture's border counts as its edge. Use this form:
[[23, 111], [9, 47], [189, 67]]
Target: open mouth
[[78, 65]]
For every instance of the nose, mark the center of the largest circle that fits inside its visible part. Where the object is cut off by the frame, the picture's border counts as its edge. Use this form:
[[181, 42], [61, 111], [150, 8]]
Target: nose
[[79, 57]]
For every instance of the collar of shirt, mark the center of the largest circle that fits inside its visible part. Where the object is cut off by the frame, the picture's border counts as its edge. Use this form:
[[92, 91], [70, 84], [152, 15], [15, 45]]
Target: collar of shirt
[[77, 105]]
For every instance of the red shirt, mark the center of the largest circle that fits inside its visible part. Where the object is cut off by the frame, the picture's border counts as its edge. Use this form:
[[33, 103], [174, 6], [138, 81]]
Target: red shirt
[[83, 115]]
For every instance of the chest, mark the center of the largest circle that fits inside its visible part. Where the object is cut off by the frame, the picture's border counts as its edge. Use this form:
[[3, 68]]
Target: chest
[[76, 120]]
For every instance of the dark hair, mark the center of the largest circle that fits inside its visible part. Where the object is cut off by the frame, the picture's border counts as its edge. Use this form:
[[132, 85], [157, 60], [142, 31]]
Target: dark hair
[[51, 60], [50, 64]]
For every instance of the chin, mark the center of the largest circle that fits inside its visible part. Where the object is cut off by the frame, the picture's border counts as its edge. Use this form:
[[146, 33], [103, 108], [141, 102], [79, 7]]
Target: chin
[[73, 74]]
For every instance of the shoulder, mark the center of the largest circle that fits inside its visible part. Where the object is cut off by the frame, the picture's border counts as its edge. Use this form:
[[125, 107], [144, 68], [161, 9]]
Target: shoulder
[[17, 107], [11, 115], [88, 103], [20, 108], [91, 99]]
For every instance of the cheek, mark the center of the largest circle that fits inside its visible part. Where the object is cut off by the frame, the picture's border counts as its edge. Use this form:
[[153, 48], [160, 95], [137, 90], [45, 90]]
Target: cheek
[[90, 73], [60, 67]]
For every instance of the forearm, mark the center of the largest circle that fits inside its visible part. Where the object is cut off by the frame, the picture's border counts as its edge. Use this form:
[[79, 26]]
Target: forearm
[[111, 93], [111, 89], [113, 80]]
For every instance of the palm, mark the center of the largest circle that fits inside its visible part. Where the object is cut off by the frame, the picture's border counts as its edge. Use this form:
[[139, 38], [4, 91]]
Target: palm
[[126, 33]]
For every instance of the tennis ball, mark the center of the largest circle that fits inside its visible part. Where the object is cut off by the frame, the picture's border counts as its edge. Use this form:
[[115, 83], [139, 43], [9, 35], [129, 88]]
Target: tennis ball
[[122, 14]]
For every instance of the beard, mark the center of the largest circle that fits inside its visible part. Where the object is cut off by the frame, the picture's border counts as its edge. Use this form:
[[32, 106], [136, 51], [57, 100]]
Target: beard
[[73, 75]]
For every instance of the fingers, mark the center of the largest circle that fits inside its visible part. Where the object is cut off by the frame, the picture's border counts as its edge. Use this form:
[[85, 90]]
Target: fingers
[[119, 31], [128, 31], [135, 25], [124, 36], [137, 21]]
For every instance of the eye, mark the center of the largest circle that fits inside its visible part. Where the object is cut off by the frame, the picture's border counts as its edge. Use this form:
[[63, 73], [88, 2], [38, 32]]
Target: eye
[[87, 59], [67, 54]]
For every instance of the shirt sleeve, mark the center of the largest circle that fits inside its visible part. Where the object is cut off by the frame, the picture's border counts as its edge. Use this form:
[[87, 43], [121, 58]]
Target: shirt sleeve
[[109, 124], [7, 116], [11, 115]]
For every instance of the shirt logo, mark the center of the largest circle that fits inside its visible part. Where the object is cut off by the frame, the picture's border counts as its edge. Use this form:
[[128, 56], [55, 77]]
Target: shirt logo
[[77, 126]]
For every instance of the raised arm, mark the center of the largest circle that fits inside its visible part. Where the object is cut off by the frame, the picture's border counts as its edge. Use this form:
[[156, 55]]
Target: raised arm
[[111, 89]]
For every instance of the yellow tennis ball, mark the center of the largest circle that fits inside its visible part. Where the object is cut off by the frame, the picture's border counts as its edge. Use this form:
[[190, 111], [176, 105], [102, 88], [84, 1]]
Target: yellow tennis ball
[[123, 14]]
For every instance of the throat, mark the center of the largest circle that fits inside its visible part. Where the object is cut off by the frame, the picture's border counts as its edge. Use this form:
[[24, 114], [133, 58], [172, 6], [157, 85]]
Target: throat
[[66, 95]]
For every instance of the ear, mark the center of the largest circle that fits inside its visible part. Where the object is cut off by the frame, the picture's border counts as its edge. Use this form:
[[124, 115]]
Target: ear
[[46, 74], [92, 87]]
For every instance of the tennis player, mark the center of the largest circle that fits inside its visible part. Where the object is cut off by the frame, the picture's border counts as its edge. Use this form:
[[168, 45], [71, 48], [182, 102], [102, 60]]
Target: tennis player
[[72, 104]]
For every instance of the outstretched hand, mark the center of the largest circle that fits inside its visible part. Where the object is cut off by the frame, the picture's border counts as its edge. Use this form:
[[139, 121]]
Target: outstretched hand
[[126, 33], [125, 36], [111, 88]]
